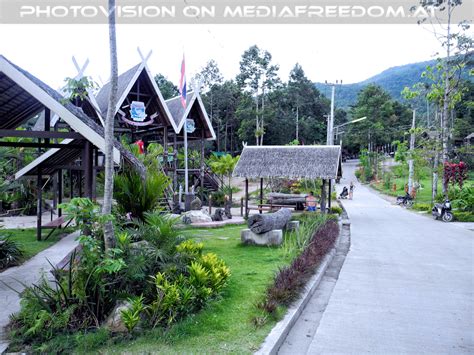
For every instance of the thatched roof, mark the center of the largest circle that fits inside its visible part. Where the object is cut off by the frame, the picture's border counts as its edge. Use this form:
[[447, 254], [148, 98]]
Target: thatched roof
[[310, 161], [26, 96]]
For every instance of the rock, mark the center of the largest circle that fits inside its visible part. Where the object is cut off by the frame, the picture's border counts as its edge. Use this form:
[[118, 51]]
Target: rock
[[218, 215], [196, 204], [293, 225], [114, 321], [195, 217], [273, 237]]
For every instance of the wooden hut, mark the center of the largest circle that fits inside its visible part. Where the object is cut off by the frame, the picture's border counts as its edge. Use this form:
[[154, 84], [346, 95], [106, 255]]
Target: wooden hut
[[290, 162], [76, 147]]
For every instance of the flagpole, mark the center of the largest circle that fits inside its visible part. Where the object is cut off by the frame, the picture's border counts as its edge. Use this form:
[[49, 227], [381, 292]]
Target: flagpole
[[185, 158]]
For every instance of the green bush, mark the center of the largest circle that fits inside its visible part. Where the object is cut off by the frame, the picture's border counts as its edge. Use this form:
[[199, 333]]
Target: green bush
[[80, 299], [10, 253], [137, 196], [336, 210], [464, 216], [422, 207]]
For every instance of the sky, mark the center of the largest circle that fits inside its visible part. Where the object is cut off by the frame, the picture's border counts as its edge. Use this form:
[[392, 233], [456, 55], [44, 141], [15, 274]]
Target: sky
[[351, 53]]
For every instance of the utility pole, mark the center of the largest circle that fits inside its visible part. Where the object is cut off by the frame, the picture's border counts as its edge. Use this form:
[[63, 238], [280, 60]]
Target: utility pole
[[412, 148], [297, 119], [330, 133]]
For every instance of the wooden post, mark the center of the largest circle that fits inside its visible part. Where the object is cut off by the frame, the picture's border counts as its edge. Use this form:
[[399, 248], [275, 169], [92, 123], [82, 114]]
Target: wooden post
[[241, 207], [94, 174], [165, 149], [261, 195], [38, 204], [210, 204], [175, 163], [87, 165], [71, 181], [246, 198], [323, 197], [79, 178], [47, 122], [329, 194], [60, 191]]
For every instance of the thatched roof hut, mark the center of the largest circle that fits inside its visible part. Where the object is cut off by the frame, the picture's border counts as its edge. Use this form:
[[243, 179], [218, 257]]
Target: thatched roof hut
[[309, 161]]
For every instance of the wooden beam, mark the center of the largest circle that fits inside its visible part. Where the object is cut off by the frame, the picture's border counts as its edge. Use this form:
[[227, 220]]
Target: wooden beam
[[246, 198], [261, 194], [38, 204], [39, 134], [40, 145], [60, 191], [87, 164]]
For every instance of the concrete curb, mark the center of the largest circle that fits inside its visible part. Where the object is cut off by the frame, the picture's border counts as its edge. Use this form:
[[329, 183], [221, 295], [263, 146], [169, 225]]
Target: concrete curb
[[278, 334]]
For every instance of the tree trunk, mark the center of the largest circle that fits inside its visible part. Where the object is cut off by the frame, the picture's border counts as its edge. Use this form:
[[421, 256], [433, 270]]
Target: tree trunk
[[256, 117], [412, 148], [109, 238], [434, 187], [444, 117], [261, 223]]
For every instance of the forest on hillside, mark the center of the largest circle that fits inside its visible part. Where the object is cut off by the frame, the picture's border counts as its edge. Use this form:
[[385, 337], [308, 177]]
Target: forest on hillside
[[260, 107]]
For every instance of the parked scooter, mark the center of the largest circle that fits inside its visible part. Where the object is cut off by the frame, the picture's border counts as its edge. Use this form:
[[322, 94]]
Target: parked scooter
[[344, 193], [443, 211], [406, 200]]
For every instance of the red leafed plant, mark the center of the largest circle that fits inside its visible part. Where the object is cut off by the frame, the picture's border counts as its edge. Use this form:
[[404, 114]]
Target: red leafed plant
[[455, 173]]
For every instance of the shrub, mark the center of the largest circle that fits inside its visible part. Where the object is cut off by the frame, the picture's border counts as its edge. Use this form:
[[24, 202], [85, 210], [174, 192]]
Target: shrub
[[336, 210], [464, 216], [135, 196], [10, 253], [290, 280], [422, 207]]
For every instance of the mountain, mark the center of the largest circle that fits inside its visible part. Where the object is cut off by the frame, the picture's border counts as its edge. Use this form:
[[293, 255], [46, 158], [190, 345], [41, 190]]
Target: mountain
[[393, 80]]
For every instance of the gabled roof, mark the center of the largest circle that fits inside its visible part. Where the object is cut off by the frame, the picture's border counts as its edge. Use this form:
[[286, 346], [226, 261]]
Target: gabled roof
[[307, 161], [179, 113], [126, 81], [32, 95], [470, 136]]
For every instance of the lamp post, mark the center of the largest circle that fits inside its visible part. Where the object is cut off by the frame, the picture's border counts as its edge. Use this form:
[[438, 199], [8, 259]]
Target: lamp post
[[330, 130], [345, 124]]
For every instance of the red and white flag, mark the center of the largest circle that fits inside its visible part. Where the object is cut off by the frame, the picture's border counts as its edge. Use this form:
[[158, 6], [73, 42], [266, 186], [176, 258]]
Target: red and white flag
[[182, 83]]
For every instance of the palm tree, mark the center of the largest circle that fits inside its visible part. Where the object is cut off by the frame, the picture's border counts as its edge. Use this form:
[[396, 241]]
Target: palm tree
[[109, 238], [224, 166]]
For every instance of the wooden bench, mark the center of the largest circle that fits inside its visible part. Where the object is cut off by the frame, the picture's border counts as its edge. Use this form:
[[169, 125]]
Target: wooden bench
[[54, 224]]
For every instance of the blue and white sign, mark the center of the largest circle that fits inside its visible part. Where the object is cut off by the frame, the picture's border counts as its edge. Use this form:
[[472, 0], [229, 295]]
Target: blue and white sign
[[137, 111], [190, 126]]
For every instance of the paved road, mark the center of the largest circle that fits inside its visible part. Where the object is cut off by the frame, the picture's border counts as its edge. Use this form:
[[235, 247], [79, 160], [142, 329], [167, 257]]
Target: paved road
[[406, 285]]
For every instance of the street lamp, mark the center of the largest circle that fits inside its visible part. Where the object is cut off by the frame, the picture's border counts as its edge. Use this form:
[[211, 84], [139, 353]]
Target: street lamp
[[345, 124]]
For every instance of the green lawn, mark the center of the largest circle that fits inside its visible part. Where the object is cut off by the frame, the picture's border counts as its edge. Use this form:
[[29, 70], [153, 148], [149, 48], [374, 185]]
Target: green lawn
[[423, 195], [26, 238], [226, 324]]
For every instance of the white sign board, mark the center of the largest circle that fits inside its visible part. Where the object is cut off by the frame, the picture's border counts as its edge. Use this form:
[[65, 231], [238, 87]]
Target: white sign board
[[137, 111]]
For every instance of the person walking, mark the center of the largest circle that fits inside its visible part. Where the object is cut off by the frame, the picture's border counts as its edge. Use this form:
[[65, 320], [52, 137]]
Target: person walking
[[351, 190]]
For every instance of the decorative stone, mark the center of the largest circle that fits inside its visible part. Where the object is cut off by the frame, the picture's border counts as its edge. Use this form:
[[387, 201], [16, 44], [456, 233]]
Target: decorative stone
[[114, 321], [293, 225], [195, 217], [273, 237], [196, 204], [218, 215]]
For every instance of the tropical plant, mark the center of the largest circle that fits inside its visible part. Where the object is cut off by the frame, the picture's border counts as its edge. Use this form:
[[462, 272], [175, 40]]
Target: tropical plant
[[137, 196], [11, 253], [224, 166]]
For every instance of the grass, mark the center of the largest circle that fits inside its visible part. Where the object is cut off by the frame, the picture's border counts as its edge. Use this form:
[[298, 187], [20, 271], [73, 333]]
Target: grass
[[26, 238], [226, 324]]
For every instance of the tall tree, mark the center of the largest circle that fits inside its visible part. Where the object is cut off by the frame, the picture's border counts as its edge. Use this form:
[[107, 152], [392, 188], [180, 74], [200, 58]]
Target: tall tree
[[259, 76], [167, 88], [109, 238], [457, 45], [209, 75]]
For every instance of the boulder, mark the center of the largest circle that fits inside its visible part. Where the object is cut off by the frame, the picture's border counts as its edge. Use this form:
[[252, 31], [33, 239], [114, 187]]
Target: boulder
[[218, 215], [196, 217], [273, 237], [196, 204], [114, 321]]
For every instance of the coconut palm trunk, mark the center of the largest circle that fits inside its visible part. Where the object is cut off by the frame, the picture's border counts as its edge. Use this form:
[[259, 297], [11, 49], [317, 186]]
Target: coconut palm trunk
[[109, 238]]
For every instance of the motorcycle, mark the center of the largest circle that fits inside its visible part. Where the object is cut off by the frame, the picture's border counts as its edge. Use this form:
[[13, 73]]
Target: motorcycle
[[406, 200], [443, 211], [344, 193]]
